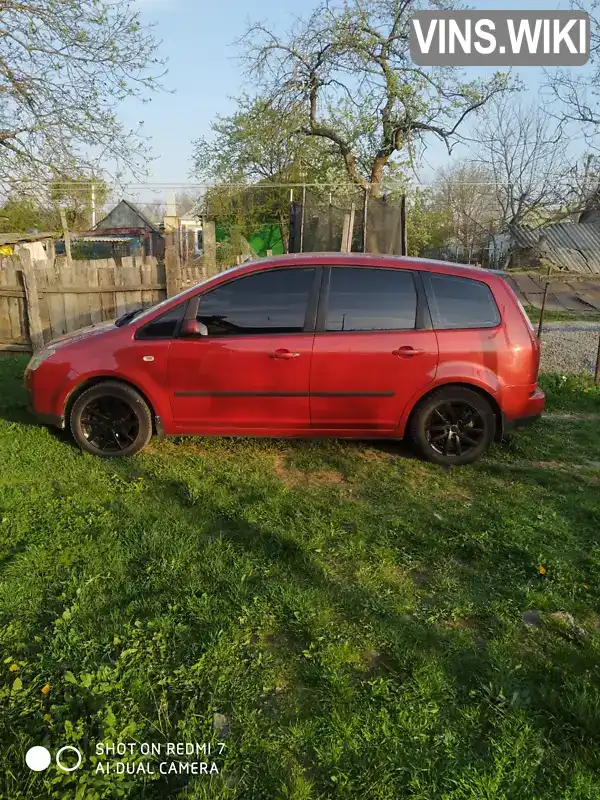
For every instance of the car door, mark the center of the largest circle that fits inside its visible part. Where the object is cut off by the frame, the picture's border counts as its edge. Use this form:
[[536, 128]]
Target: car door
[[251, 372], [374, 348]]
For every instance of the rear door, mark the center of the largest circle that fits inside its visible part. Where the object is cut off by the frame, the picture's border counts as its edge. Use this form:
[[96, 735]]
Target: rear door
[[374, 348]]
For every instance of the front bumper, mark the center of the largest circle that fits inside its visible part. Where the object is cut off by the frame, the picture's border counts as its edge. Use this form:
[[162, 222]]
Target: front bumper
[[44, 419]]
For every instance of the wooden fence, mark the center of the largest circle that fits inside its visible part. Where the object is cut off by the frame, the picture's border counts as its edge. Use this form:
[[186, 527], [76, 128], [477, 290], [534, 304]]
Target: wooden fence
[[42, 300]]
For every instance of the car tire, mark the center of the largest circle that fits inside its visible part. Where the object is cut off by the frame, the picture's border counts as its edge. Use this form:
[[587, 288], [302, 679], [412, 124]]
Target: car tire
[[111, 420], [452, 426]]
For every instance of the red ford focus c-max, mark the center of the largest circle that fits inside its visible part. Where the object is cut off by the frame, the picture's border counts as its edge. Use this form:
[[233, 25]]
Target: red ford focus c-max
[[339, 345]]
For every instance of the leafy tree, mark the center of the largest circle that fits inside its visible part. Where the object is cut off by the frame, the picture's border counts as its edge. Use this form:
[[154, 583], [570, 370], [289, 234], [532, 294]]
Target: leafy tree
[[23, 214], [75, 196], [346, 75], [259, 144], [254, 151], [65, 65], [427, 224]]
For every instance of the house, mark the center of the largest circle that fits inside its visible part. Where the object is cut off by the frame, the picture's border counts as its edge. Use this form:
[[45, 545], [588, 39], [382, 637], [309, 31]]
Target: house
[[124, 231], [190, 227]]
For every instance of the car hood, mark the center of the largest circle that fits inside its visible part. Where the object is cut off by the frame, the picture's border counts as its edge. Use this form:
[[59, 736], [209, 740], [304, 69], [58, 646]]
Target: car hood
[[82, 333]]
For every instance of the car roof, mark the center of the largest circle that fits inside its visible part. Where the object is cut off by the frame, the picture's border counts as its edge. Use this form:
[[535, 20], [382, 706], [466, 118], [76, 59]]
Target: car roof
[[374, 260]]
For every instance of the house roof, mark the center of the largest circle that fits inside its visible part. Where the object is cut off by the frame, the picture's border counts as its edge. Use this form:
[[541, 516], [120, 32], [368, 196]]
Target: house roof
[[194, 212], [569, 245], [135, 210], [16, 238]]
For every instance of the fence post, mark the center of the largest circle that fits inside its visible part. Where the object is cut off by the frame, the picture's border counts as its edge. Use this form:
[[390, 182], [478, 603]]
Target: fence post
[[67, 235], [330, 227], [403, 237], [364, 242], [209, 244], [302, 219], [172, 263], [544, 297], [597, 372], [345, 228], [32, 303], [350, 229]]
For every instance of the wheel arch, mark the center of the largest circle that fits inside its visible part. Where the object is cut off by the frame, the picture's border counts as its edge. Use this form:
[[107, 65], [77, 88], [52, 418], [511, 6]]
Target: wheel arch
[[96, 379], [463, 385]]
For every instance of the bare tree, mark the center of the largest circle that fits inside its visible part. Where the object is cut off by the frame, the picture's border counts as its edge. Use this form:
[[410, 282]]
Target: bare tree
[[577, 92], [468, 192], [524, 151], [346, 72], [64, 68]]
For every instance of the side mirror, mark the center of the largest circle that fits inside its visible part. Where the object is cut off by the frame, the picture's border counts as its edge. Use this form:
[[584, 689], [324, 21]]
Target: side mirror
[[191, 327]]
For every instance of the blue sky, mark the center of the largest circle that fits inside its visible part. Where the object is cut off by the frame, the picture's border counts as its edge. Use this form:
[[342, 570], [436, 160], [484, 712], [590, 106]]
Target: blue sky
[[203, 73]]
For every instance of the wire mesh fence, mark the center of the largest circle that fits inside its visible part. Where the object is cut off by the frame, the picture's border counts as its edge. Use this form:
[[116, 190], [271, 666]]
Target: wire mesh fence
[[262, 219]]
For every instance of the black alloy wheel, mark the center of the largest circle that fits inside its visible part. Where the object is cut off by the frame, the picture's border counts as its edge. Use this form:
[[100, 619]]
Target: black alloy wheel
[[455, 428], [110, 420], [452, 426], [109, 424]]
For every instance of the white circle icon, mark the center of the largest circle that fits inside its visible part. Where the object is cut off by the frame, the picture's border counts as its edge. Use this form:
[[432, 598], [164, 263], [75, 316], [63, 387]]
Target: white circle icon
[[61, 751], [38, 758]]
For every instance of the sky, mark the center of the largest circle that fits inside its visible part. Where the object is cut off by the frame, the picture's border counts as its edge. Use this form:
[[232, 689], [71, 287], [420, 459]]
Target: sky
[[203, 74]]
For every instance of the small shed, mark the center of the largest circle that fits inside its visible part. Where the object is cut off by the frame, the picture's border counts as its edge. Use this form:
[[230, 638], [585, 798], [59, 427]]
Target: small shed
[[132, 226]]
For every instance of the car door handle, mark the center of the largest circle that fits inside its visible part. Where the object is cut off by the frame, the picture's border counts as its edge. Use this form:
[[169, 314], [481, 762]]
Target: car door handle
[[407, 352], [286, 354]]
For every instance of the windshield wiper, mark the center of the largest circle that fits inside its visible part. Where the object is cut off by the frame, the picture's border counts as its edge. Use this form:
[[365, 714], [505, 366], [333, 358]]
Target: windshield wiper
[[125, 318]]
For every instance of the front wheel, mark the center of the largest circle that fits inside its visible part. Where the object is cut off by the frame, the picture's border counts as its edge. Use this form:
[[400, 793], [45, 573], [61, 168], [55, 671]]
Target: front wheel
[[111, 420], [452, 426]]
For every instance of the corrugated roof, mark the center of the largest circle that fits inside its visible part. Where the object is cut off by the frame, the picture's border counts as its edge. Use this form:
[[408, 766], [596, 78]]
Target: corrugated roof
[[94, 237], [568, 245], [16, 238]]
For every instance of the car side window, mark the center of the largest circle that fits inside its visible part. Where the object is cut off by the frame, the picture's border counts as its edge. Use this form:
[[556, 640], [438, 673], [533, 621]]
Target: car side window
[[165, 326], [460, 302], [371, 299], [273, 301]]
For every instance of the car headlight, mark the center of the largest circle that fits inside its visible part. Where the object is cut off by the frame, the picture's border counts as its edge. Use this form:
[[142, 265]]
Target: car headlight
[[39, 358]]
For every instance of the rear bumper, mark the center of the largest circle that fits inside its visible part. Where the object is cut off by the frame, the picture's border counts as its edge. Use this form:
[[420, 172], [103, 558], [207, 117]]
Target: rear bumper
[[522, 422], [528, 410]]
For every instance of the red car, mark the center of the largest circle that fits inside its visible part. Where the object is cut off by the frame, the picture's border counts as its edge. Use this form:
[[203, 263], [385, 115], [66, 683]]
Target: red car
[[338, 345]]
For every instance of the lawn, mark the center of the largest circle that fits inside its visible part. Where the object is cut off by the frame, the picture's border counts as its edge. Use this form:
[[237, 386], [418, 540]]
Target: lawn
[[561, 316], [347, 620]]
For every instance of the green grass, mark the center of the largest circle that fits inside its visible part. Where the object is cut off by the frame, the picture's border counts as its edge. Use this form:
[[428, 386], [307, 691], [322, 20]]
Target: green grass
[[354, 613], [561, 316]]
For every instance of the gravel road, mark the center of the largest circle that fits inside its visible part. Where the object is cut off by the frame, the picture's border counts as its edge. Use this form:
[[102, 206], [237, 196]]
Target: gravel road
[[570, 346]]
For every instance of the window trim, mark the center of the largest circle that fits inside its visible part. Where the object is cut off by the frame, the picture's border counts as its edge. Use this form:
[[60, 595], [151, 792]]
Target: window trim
[[430, 294], [139, 334], [309, 317], [422, 318]]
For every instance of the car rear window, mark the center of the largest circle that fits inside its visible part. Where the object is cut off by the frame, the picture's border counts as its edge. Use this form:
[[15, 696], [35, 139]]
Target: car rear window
[[460, 302]]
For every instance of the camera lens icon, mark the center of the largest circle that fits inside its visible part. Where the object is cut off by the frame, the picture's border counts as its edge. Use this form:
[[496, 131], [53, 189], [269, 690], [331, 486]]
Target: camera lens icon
[[38, 758]]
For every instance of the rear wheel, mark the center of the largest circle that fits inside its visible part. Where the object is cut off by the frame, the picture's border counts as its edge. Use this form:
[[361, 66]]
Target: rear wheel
[[111, 420], [453, 426]]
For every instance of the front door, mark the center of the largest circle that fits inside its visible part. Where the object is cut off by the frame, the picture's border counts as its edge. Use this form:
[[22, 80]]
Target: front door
[[372, 351], [251, 373]]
